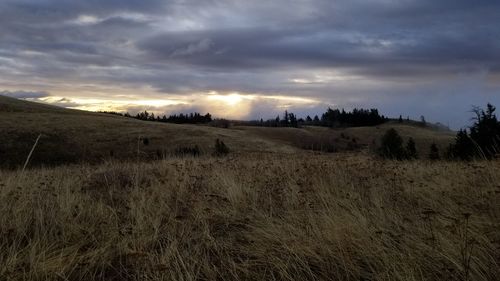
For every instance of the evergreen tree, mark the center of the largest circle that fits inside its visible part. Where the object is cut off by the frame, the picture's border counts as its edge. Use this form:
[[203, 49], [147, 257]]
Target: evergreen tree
[[434, 152], [392, 145], [411, 150], [422, 121], [463, 147], [486, 131], [484, 138]]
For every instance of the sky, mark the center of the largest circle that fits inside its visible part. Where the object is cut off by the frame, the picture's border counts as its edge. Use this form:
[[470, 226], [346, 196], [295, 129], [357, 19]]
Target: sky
[[254, 59]]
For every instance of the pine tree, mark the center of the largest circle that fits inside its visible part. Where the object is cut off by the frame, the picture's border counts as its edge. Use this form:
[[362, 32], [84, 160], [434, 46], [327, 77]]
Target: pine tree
[[434, 152], [392, 145], [463, 147], [486, 131], [411, 150], [422, 121]]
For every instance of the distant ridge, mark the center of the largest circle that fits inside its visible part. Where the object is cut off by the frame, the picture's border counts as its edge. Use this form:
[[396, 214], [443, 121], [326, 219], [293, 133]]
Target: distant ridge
[[10, 104]]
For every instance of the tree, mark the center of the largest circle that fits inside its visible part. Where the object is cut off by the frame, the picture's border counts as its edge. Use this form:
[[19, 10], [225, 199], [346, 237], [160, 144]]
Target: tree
[[400, 120], [422, 121], [434, 152], [392, 145], [286, 119], [485, 132], [484, 137], [411, 150], [463, 147]]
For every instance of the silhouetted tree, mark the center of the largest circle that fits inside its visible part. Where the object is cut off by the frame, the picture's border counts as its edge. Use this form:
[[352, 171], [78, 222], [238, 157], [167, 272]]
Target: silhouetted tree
[[392, 145], [434, 152], [422, 121], [316, 120], [355, 118], [400, 120], [463, 148], [411, 149], [484, 138], [486, 131]]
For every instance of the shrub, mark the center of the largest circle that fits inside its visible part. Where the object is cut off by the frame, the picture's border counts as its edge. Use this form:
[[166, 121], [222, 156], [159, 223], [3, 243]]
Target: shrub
[[411, 150], [463, 147], [220, 148], [392, 146], [187, 151], [434, 152]]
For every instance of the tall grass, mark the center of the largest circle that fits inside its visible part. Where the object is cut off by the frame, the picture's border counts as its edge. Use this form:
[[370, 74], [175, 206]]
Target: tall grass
[[252, 217]]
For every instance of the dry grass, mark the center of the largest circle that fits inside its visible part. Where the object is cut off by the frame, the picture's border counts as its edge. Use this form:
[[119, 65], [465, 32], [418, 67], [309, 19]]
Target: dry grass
[[252, 217], [364, 136], [72, 136]]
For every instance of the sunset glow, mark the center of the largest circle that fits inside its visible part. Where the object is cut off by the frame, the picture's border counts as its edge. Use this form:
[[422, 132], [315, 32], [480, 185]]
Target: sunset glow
[[252, 60]]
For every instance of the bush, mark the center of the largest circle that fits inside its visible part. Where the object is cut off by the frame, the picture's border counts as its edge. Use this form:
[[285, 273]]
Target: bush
[[392, 146], [188, 151], [220, 148], [464, 148], [411, 150], [434, 152]]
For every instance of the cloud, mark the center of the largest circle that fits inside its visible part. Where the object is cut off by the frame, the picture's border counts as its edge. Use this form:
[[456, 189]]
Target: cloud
[[337, 52], [24, 94], [193, 48]]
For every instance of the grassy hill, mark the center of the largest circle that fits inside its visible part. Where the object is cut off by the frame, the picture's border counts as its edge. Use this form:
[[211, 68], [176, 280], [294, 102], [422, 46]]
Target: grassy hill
[[272, 210], [72, 136], [321, 138]]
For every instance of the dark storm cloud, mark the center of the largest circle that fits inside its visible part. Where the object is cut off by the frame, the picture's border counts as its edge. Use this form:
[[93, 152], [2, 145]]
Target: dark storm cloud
[[401, 40], [380, 50]]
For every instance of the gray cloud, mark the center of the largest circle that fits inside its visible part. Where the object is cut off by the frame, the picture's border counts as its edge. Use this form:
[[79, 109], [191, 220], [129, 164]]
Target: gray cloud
[[393, 54]]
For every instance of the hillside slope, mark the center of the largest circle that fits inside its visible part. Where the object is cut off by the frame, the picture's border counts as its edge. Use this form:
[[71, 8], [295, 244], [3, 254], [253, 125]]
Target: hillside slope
[[71, 136], [325, 139]]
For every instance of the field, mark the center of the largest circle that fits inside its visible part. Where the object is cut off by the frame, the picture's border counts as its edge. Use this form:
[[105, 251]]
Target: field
[[72, 136], [269, 210], [301, 217]]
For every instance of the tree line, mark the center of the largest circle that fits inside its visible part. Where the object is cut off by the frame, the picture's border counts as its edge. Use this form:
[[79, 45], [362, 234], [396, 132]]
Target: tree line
[[334, 118], [331, 118], [191, 118]]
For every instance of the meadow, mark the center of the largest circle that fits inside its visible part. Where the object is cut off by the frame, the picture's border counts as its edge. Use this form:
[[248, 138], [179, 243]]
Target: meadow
[[257, 216], [97, 201]]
